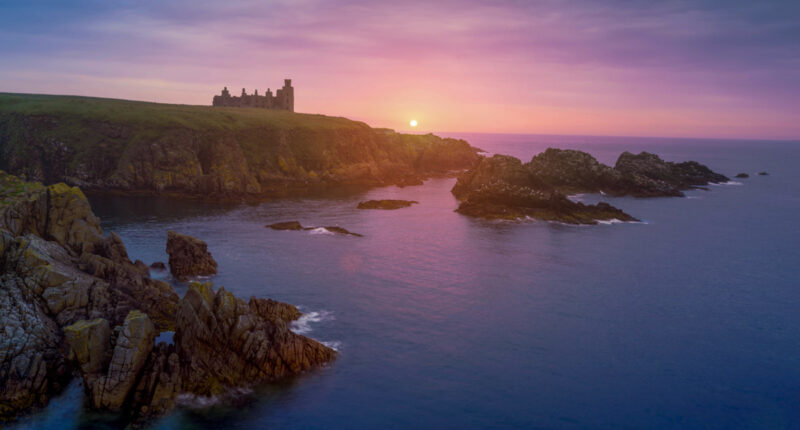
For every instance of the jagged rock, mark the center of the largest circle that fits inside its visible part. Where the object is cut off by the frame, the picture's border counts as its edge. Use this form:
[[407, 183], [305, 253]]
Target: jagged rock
[[571, 172], [189, 256], [225, 342], [501, 187], [763, 174], [158, 265], [742, 175], [90, 343], [679, 176], [62, 291], [109, 380], [498, 200], [288, 225], [386, 204], [131, 351]]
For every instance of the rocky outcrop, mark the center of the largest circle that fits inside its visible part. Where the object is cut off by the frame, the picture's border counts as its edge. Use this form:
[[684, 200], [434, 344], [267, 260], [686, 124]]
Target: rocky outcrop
[[742, 175], [763, 174], [678, 176], [287, 225], [205, 152], [386, 204], [189, 256], [111, 372], [504, 187], [500, 187], [158, 265], [72, 299], [223, 341], [295, 225]]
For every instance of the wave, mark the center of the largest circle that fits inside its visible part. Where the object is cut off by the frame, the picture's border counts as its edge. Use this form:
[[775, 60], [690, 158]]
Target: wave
[[333, 344], [302, 325], [725, 183], [320, 230]]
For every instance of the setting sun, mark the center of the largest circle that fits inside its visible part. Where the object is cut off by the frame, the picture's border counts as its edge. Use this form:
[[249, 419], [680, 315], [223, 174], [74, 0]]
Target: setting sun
[[413, 123]]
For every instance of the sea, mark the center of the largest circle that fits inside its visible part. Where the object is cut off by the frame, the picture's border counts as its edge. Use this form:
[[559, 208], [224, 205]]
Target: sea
[[688, 319]]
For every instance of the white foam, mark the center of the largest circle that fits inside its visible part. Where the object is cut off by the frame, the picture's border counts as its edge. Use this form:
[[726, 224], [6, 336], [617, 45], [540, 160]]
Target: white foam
[[333, 344], [302, 325], [725, 183], [694, 197], [610, 221], [320, 230], [576, 197]]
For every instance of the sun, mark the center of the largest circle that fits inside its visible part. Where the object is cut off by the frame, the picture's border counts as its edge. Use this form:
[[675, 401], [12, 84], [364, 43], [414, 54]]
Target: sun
[[413, 123]]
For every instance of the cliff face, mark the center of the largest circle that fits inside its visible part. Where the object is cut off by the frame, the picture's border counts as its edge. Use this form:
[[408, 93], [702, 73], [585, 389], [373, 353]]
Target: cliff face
[[145, 147], [72, 299]]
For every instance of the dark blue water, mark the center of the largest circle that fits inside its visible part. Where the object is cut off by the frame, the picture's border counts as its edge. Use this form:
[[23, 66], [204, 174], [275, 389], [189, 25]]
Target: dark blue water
[[689, 320]]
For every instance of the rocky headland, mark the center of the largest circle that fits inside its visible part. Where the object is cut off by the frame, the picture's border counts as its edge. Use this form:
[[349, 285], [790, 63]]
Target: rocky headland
[[75, 304], [502, 187], [209, 152]]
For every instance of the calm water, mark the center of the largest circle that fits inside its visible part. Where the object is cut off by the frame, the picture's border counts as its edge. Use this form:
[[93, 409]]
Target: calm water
[[687, 320]]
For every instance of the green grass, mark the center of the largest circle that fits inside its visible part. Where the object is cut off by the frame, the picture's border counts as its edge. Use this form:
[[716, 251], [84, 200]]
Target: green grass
[[160, 115]]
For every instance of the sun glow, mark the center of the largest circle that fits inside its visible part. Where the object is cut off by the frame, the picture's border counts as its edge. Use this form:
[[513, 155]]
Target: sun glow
[[413, 123]]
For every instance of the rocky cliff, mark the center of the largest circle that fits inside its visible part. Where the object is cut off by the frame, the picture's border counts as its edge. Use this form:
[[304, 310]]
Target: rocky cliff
[[73, 300], [202, 151]]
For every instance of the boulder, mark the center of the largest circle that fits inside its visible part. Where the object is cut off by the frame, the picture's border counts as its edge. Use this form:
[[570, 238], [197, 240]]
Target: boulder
[[386, 204], [189, 256], [742, 175]]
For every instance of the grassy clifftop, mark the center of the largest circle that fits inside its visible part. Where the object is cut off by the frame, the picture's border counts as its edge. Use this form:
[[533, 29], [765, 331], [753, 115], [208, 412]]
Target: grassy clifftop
[[139, 146]]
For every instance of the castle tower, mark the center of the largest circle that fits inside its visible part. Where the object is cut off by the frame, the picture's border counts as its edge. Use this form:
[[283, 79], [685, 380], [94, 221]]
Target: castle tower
[[287, 94]]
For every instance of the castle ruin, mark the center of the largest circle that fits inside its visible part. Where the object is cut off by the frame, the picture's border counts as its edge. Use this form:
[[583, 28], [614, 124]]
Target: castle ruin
[[283, 98]]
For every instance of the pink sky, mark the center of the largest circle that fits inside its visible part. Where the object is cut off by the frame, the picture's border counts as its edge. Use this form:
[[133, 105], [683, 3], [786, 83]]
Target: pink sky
[[516, 67]]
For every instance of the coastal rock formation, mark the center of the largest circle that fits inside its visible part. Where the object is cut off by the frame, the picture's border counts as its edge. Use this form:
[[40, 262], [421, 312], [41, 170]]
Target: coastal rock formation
[[189, 256], [288, 225], [71, 298], [742, 175], [110, 374], [678, 176], [763, 174], [223, 341], [386, 204], [500, 188], [158, 265], [295, 225], [504, 187], [209, 152]]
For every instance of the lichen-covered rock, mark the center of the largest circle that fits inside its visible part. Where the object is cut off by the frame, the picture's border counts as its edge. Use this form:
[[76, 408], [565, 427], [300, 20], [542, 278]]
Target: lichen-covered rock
[[90, 343], [63, 286], [387, 204], [226, 342], [189, 256], [110, 375]]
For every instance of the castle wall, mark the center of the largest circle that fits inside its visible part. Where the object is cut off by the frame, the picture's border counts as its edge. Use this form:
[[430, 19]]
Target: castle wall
[[282, 100]]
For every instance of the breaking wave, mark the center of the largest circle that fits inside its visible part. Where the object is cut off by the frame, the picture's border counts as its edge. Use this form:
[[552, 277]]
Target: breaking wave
[[302, 325]]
